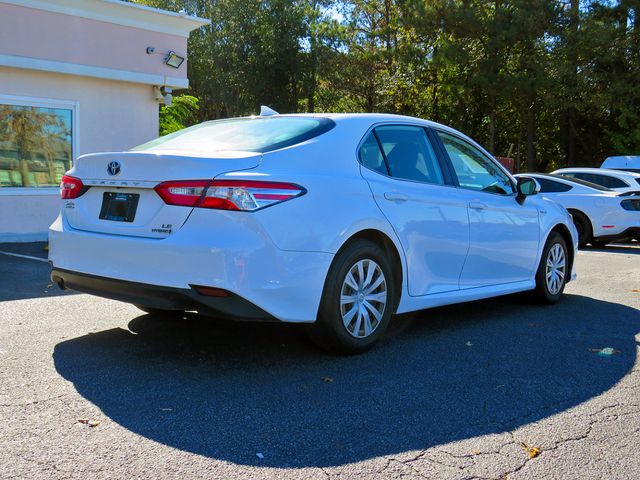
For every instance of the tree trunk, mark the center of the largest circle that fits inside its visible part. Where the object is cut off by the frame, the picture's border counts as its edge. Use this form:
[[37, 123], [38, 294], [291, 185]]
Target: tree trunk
[[532, 164]]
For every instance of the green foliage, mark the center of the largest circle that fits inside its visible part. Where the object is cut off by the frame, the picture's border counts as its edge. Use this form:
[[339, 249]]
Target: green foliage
[[551, 82], [180, 114]]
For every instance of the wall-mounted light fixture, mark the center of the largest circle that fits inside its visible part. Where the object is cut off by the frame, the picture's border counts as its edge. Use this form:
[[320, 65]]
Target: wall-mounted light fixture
[[171, 58]]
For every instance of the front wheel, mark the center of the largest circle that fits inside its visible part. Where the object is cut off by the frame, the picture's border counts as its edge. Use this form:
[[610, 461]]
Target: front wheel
[[553, 270], [357, 300]]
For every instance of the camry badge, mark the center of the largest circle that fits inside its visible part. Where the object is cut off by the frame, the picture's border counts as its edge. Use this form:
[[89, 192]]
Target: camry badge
[[113, 168]]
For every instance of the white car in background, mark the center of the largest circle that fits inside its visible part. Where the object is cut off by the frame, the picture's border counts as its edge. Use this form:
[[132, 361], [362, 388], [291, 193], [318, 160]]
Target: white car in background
[[617, 180], [600, 215], [338, 221], [628, 163]]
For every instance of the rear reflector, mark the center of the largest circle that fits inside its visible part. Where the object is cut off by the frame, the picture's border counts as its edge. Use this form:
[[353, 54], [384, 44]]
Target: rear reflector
[[211, 291], [243, 195], [71, 187]]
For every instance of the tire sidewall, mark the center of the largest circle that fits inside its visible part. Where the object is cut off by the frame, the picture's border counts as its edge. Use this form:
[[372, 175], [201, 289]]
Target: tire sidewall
[[541, 277], [329, 322]]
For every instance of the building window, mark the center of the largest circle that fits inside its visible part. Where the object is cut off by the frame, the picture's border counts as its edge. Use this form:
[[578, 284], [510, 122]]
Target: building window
[[36, 144]]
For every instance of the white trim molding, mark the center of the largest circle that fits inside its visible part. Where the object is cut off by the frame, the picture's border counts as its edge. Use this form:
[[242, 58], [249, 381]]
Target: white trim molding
[[120, 13], [16, 61]]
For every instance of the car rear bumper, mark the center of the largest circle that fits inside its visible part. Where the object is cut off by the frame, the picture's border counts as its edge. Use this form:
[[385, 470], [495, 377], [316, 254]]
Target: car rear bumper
[[213, 249], [155, 296]]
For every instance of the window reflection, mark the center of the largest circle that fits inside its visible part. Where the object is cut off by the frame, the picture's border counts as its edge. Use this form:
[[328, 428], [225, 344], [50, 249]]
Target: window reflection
[[35, 145]]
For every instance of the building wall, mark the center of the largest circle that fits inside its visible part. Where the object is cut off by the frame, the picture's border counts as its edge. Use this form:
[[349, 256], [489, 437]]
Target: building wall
[[111, 116], [34, 33]]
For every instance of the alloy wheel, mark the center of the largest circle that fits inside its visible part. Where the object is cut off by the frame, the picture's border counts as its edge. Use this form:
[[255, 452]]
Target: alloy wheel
[[363, 298], [555, 269]]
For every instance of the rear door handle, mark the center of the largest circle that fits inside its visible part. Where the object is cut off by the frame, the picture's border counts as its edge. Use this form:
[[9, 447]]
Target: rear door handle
[[477, 205], [396, 197]]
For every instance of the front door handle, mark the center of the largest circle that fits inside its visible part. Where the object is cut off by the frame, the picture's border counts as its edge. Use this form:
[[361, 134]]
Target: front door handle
[[396, 197], [477, 205]]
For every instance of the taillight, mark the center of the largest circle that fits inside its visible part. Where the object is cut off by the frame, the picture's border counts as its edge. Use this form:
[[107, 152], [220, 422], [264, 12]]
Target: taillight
[[631, 204], [243, 195], [71, 187]]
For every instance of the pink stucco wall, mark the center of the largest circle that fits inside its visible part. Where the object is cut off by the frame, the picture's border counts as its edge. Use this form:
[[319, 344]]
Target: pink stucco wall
[[112, 116], [30, 32]]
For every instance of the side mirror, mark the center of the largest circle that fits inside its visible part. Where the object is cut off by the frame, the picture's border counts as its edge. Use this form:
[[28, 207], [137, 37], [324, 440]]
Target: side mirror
[[527, 186]]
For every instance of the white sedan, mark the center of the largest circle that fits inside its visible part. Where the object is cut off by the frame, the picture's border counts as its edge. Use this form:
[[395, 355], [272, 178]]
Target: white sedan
[[600, 214], [613, 179], [335, 220]]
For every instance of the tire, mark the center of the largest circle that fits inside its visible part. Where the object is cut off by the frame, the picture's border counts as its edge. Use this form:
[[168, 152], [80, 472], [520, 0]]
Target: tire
[[347, 323], [555, 251], [583, 226], [157, 311]]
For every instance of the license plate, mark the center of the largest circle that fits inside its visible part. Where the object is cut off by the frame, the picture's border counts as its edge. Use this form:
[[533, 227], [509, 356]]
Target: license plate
[[119, 207]]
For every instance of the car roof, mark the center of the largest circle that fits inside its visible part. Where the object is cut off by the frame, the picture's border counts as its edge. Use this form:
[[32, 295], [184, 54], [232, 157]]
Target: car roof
[[601, 171]]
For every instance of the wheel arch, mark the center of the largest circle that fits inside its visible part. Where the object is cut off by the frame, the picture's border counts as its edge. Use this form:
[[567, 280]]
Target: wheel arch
[[383, 240], [568, 240]]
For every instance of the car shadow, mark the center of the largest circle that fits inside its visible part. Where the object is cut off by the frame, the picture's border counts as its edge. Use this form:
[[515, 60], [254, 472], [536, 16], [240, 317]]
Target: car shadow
[[232, 390], [628, 248], [24, 278]]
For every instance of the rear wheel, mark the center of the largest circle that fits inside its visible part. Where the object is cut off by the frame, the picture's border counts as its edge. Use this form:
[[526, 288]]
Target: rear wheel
[[553, 270], [357, 301], [583, 226]]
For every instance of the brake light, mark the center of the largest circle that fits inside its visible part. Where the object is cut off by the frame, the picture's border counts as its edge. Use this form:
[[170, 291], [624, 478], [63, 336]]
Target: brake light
[[71, 187], [242, 195]]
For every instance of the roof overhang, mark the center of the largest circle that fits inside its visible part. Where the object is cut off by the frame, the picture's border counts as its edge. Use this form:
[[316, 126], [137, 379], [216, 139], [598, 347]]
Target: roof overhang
[[120, 13]]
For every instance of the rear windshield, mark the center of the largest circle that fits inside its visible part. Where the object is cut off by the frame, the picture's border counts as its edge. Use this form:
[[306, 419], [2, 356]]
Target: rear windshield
[[582, 182], [259, 134]]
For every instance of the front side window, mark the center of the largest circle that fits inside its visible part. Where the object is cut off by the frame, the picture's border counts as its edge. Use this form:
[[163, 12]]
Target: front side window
[[409, 154], [475, 171], [35, 145], [258, 134]]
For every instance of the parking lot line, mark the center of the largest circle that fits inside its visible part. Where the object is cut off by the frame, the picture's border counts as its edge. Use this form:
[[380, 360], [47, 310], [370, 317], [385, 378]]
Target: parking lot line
[[24, 256]]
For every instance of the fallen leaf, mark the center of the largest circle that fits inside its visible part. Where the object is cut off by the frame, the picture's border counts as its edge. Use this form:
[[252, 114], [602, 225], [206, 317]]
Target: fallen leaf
[[260, 455], [532, 452], [476, 452], [327, 379], [91, 423], [636, 290]]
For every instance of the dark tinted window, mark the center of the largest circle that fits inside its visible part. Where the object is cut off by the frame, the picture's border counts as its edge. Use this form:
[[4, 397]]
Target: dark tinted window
[[582, 182], [371, 156], [474, 169], [598, 179], [259, 134], [409, 154], [551, 186]]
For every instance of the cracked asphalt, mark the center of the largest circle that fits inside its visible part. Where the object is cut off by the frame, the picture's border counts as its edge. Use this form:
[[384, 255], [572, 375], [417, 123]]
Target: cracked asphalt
[[491, 390]]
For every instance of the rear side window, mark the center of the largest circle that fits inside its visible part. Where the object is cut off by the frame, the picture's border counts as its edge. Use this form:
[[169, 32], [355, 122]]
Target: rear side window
[[371, 156], [551, 186], [260, 134], [604, 180], [409, 154]]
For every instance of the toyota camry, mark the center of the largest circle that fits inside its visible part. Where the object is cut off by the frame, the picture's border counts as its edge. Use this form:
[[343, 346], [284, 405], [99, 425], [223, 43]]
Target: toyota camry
[[334, 220]]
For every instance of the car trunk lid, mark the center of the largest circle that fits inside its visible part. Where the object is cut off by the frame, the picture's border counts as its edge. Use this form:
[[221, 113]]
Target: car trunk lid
[[121, 200]]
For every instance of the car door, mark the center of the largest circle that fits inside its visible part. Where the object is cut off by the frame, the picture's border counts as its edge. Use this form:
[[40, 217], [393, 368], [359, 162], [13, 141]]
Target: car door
[[429, 216], [503, 233]]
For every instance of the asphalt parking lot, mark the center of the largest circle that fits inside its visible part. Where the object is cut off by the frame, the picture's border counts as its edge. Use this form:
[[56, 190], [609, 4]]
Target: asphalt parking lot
[[93, 388]]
